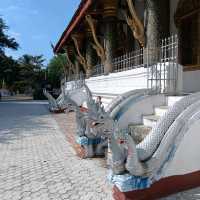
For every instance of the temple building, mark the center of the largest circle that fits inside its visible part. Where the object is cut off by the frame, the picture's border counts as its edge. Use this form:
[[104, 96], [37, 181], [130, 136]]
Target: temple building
[[158, 40], [141, 60]]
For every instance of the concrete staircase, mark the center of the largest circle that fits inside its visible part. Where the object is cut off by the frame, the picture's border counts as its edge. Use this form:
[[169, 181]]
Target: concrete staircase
[[140, 131]]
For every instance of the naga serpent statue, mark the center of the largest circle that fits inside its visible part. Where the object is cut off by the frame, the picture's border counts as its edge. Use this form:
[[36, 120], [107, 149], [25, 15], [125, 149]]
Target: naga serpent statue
[[135, 24], [149, 157], [56, 105], [87, 136]]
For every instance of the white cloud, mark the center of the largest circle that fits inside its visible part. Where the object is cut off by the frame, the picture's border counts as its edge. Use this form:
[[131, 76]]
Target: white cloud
[[9, 8], [14, 34]]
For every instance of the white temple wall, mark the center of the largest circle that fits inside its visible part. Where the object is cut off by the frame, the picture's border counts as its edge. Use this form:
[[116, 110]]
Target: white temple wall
[[121, 82], [191, 81], [118, 83]]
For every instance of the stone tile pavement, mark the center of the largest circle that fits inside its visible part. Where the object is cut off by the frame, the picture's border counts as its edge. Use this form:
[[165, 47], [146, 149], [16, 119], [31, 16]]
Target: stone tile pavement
[[38, 163]]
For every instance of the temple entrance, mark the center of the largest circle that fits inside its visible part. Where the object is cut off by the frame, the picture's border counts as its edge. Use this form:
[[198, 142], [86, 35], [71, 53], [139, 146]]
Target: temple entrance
[[187, 19], [189, 41]]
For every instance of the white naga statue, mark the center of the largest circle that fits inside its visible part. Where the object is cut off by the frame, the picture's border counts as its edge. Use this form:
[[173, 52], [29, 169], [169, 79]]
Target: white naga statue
[[56, 105], [87, 136], [150, 157]]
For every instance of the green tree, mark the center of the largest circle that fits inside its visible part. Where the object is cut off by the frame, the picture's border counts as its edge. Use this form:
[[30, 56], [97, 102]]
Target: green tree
[[56, 70], [8, 66], [9, 71], [24, 75], [5, 40], [30, 70]]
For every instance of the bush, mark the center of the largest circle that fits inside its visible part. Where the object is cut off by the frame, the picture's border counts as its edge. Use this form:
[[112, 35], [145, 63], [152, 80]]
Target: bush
[[38, 94]]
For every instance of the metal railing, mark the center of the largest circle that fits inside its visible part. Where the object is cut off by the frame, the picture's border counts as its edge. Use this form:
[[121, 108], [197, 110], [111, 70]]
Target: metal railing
[[131, 60], [163, 67], [74, 81], [161, 63]]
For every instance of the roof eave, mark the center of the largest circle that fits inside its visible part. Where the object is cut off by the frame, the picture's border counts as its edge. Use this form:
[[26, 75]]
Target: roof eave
[[78, 16]]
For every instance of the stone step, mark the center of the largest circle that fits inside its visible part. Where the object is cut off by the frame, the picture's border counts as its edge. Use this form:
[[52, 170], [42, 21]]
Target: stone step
[[150, 120], [161, 110], [171, 100], [139, 132]]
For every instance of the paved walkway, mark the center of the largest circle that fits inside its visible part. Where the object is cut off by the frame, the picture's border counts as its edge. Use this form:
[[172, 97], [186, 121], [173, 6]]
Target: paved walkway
[[37, 163]]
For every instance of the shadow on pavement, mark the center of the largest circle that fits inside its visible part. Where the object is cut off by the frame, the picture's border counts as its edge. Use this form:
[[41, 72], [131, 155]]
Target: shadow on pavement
[[23, 119]]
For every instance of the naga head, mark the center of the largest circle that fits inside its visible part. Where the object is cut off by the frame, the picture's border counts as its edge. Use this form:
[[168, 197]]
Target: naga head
[[102, 124]]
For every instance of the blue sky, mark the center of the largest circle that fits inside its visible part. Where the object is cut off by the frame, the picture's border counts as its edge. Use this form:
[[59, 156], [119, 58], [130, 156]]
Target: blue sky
[[36, 23]]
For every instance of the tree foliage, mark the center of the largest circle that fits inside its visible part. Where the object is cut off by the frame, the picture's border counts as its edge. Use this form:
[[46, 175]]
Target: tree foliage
[[56, 70], [9, 71], [27, 74], [8, 66], [5, 40], [31, 75]]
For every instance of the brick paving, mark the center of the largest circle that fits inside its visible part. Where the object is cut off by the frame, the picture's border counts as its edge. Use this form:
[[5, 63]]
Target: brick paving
[[67, 124], [38, 163]]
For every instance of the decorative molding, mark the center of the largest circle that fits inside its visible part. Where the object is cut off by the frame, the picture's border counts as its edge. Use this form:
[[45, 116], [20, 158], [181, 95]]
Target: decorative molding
[[135, 24], [70, 64], [82, 60], [88, 29], [109, 8], [101, 52], [79, 57], [97, 46]]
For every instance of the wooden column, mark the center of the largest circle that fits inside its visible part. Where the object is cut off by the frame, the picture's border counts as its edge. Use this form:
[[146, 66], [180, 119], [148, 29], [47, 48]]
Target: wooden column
[[110, 27], [69, 55], [90, 53], [77, 66], [157, 25]]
